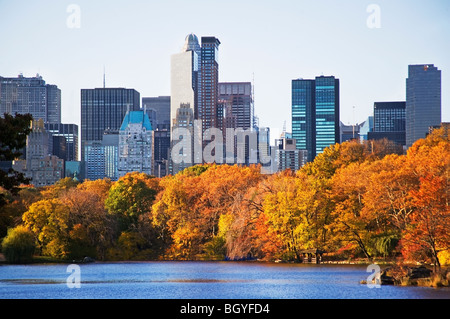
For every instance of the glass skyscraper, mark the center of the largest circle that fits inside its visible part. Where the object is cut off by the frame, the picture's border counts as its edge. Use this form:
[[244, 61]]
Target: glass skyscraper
[[303, 115], [423, 101], [315, 114]]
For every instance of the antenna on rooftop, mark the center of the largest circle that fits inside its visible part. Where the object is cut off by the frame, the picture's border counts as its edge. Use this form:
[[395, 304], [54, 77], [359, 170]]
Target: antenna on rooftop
[[104, 77]]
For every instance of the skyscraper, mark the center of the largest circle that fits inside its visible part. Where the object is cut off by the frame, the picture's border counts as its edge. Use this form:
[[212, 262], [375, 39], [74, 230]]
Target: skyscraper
[[303, 115], [208, 106], [315, 114], [184, 77], [423, 101], [30, 95], [104, 109], [194, 92]]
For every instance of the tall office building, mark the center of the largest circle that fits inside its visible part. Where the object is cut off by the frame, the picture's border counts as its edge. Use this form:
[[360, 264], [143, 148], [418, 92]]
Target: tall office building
[[30, 95], [209, 110], [194, 90], [423, 101], [315, 114], [184, 77], [389, 122], [104, 109]]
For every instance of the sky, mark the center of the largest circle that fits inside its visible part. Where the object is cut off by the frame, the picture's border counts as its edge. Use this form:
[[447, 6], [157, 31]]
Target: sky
[[367, 45]]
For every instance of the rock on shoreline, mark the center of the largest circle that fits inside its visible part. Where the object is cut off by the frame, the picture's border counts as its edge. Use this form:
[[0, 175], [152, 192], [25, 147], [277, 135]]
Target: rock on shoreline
[[413, 276]]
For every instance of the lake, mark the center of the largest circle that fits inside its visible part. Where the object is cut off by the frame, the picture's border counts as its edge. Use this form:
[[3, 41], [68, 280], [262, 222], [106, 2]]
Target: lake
[[198, 280]]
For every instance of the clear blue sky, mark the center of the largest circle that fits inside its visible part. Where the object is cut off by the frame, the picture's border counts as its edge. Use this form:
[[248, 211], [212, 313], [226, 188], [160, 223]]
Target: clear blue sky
[[272, 41]]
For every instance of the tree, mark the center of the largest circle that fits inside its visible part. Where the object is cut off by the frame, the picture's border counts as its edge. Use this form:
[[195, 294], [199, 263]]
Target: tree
[[131, 196], [91, 228], [48, 220], [427, 233], [19, 245], [14, 131], [188, 210], [349, 224]]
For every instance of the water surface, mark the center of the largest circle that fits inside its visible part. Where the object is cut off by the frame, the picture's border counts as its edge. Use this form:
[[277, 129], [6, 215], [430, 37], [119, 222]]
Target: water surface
[[201, 280]]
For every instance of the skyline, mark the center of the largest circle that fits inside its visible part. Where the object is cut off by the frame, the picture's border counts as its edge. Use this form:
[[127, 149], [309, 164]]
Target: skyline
[[267, 43]]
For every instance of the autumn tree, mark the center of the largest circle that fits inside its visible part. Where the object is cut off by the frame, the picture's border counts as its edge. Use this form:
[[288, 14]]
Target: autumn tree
[[426, 234], [48, 220], [91, 228], [194, 201]]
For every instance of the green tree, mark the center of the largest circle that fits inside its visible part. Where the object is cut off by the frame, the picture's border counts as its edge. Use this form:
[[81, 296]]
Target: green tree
[[14, 131], [130, 197], [19, 245]]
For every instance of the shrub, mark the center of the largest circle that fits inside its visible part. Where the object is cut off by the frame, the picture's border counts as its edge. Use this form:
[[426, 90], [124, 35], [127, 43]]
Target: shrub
[[19, 245]]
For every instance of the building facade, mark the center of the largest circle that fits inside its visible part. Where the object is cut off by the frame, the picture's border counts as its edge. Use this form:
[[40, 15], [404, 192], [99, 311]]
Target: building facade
[[349, 132], [423, 101], [160, 105], [70, 133], [237, 101], [315, 114], [184, 77], [30, 95], [209, 110], [287, 155], [135, 144], [389, 121], [41, 166], [101, 159]]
